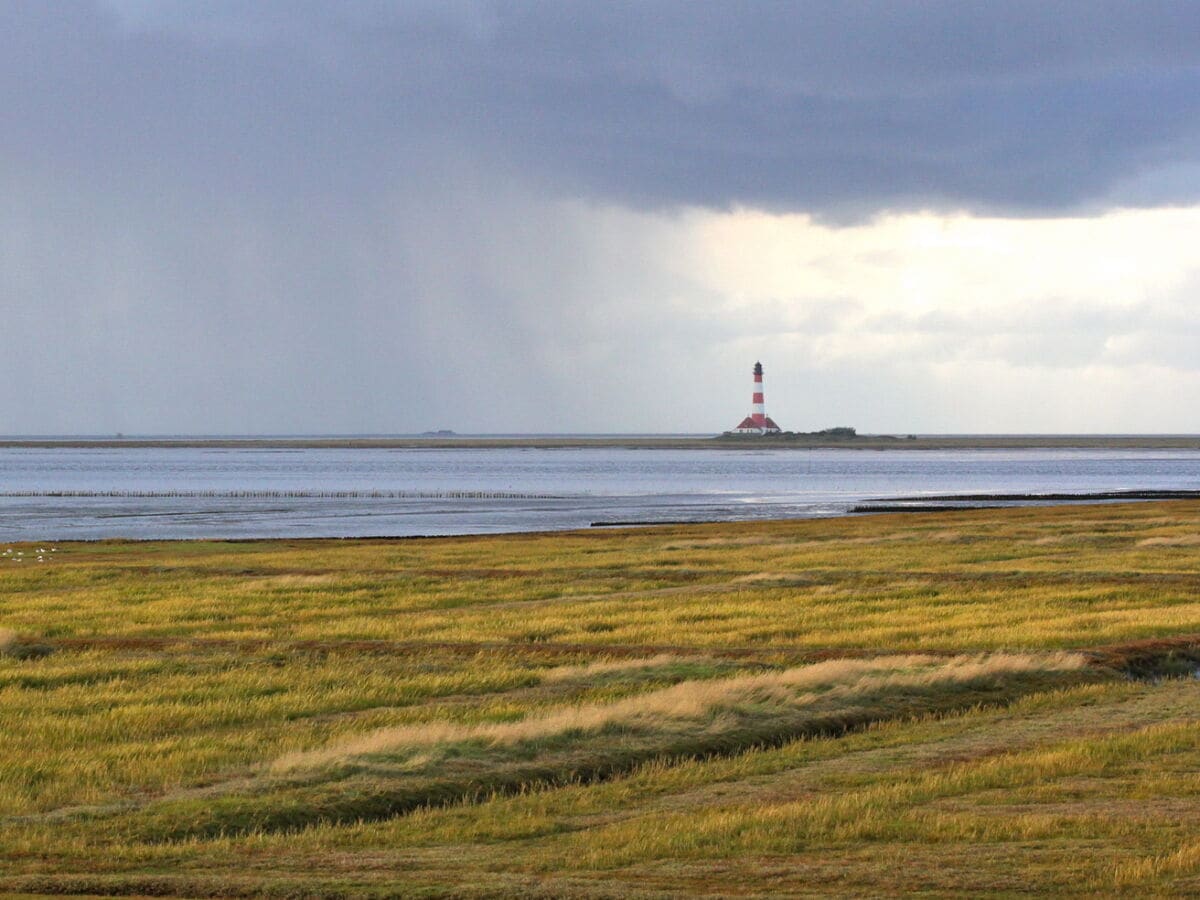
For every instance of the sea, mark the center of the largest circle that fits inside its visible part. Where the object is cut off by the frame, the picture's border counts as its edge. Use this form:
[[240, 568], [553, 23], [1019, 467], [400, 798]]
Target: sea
[[90, 493]]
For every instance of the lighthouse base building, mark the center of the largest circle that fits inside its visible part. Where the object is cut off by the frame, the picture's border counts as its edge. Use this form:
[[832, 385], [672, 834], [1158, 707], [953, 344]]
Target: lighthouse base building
[[748, 426], [758, 422]]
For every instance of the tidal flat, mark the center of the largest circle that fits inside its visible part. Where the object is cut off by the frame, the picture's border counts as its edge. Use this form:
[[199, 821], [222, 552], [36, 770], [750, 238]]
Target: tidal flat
[[985, 701]]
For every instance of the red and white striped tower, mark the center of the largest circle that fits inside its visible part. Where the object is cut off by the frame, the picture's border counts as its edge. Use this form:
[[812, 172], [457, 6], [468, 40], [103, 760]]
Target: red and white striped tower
[[759, 409], [758, 422]]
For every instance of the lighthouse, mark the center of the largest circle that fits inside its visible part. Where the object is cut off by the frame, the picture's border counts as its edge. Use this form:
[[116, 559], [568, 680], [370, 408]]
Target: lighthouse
[[758, 422]]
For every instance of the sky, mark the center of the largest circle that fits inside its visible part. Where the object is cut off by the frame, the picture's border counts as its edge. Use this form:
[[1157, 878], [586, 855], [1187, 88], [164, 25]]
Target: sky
[[300, 217]]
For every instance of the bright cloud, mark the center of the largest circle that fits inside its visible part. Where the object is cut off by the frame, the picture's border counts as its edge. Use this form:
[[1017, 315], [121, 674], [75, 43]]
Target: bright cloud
[[925, 321]]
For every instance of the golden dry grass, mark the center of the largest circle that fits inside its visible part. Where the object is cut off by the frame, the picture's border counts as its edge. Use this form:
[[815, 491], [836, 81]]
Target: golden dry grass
[[607, 667], [1182, 540], [694, 706]]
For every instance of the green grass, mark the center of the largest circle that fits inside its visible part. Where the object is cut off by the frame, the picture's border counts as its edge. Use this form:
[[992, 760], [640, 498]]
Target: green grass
[[932, 702]]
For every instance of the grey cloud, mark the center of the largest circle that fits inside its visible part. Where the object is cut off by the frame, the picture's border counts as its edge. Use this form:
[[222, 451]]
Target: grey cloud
[[838, 107]]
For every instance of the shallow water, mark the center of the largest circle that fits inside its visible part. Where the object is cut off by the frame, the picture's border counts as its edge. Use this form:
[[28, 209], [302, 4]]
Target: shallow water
[[411, 492]]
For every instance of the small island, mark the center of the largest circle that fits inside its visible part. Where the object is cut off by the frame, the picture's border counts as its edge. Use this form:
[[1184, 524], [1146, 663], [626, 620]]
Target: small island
[[825, 437]]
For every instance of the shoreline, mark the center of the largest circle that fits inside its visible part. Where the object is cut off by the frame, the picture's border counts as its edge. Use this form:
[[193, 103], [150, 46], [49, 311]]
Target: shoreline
[[951, 502], [862, 442], [918, 506]]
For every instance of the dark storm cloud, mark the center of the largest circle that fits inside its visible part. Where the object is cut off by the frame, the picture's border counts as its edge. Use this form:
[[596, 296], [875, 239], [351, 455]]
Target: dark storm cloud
[[844, 106]]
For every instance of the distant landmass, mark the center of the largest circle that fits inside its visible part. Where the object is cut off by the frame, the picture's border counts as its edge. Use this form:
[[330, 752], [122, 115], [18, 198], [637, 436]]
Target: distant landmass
[[825, 435], [838, 437]]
